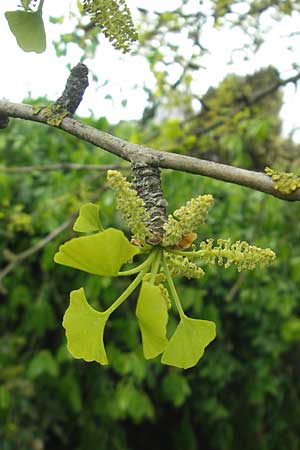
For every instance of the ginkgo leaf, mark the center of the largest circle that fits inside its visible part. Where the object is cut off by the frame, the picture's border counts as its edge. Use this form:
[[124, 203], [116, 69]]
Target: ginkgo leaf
[[187, 344], [152, 314], [28, 29], [102, 253], [88, 219], [84, 329]]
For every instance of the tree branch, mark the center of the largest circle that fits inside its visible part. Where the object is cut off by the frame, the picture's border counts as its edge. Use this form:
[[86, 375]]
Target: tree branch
[[19, 258], [134, 152], [60, 166]]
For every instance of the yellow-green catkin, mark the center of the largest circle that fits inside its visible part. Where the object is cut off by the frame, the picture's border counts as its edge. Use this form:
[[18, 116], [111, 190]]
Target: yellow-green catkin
[[186, 219], [130, 205], [183, 267], [114, 20], [243, 255]]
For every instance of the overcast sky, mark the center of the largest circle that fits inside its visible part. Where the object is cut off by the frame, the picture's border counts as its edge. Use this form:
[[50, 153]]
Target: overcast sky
[[45, 75]]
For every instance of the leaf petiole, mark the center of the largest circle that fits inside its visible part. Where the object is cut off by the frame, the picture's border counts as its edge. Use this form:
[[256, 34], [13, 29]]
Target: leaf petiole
[[131, 287], [40, 7], [155, 265], [136, 269], [173, 289]]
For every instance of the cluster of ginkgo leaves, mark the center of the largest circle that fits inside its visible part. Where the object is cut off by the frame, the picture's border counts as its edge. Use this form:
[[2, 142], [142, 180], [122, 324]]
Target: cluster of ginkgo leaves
[[104, 251], [111, 17]]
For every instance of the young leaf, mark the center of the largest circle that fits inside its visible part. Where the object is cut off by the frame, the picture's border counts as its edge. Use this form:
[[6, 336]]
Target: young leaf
[[88, 219], [102, 253], [28, 29], [84, 329], [152, 314], [187, 344]]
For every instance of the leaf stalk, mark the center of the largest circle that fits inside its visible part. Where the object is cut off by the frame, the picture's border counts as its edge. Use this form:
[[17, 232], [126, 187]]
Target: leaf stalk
[[130, 288], [173, 289]]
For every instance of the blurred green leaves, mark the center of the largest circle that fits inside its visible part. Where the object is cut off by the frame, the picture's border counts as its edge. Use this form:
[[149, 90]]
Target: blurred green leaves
[[175, 388], [291, 329], [42, 363], [132, 403]]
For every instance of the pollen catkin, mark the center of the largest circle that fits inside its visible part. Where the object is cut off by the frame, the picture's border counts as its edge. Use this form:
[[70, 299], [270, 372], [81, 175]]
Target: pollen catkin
[[243, 255], [114, 20], [130, 205], [186, 219], [183, 267]]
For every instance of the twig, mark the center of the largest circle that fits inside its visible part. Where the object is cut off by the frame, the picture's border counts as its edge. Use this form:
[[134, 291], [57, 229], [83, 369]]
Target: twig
[[18, 258], [133, 152], [60, 166], [235, 287]]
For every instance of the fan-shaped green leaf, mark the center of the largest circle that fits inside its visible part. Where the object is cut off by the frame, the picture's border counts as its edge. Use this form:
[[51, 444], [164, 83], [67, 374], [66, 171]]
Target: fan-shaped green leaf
[[84, 329], [187, 344], [102, 253], [88, 219], [152, 314], [28, 29]]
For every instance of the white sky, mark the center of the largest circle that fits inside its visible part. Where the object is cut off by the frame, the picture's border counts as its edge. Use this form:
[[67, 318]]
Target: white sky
[[45, 75]]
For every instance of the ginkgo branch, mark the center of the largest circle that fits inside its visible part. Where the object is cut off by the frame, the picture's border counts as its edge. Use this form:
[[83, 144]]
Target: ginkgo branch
[[133, 152]]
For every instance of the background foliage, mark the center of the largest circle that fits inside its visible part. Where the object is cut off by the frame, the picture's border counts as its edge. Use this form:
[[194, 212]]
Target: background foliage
[[247, 381], [245, 391]]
